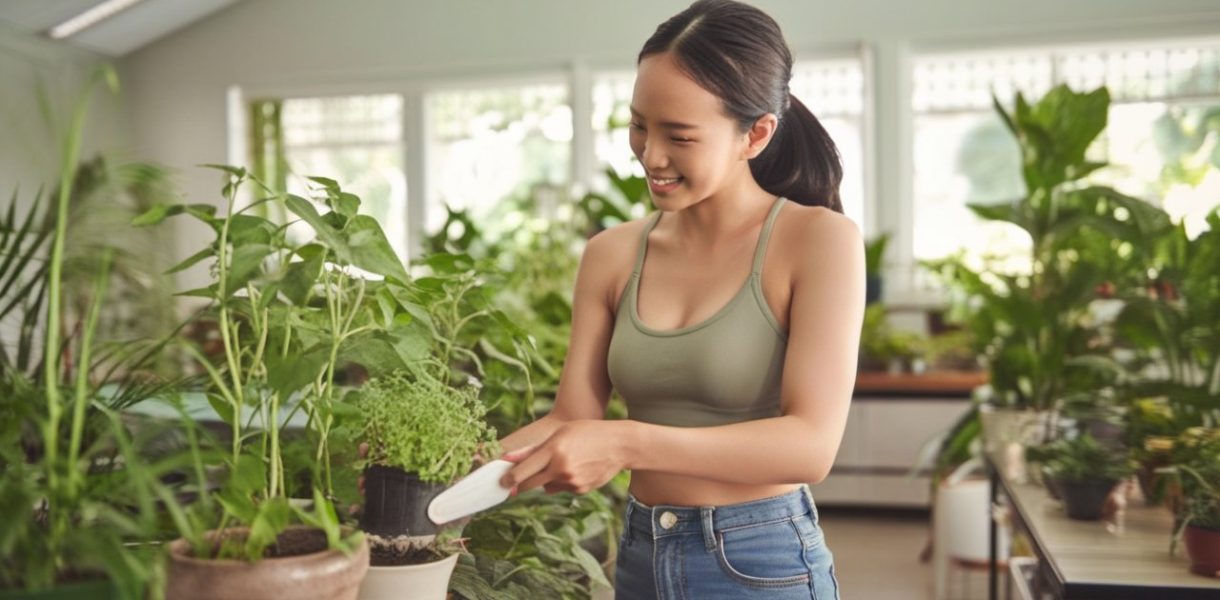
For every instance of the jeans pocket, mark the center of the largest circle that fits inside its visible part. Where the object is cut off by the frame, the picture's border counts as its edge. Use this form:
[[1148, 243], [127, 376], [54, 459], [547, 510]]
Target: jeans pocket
[[765, 555]]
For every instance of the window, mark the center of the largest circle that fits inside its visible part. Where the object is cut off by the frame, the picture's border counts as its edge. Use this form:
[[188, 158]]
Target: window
[[834, 92], [357, 141], [1160, 140], [489, 144]]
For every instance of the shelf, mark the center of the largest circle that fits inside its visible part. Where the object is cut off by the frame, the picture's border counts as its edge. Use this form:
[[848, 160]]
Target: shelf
[[1099, 559], [943, 383]]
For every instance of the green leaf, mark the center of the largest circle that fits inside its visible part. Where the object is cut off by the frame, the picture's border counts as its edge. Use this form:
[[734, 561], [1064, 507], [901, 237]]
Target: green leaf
[[191, 261], [238, 172], [246, 263], [300, 277], [330, 184], [287, 375], [152, 216], [204, 292], [347, 204], [222, 407], [370, 250], [273, 517]]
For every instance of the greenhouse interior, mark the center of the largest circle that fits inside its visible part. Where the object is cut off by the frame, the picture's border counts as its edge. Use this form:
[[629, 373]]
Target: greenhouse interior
[[312, 299]]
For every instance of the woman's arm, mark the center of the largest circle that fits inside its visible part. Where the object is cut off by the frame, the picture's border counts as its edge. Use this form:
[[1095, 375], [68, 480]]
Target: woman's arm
[[826, 313]]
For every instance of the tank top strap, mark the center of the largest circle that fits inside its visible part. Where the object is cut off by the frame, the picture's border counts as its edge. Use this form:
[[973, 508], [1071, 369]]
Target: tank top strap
[[760, 250], [643, 245]]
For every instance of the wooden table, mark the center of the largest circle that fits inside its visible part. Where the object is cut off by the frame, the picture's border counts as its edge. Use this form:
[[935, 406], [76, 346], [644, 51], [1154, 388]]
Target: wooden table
[[1095, 560]]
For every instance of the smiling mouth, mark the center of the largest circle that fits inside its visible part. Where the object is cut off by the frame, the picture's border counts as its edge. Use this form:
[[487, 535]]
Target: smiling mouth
[[669, 181]]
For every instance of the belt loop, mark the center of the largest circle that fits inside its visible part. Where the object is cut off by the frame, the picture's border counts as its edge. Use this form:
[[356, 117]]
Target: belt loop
[[813, 507], [709, 533]]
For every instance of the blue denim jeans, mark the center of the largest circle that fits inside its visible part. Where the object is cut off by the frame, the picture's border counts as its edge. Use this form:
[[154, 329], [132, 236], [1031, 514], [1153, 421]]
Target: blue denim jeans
[[768, 548]]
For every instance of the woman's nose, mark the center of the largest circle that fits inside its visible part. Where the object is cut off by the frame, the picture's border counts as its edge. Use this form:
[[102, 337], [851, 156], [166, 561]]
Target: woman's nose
[[653, 159]]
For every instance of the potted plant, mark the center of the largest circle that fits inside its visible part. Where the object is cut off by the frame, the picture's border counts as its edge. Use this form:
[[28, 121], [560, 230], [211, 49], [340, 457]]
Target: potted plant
[[1083, 472], [422, 435], [874, 256], [293, 310], [1196, 465]]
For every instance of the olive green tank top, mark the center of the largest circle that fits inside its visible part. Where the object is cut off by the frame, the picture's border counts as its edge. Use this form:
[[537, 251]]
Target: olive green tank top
[[722, 370]]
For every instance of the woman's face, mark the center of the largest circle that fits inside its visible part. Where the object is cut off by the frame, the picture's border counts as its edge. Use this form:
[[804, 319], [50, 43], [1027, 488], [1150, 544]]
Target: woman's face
[[679, 130]]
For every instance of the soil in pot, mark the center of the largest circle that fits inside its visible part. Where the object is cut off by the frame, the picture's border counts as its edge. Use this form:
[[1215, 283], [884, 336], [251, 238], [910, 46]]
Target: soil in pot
[[1203, 547], [1084, 500], [401, 550], [396, 503]]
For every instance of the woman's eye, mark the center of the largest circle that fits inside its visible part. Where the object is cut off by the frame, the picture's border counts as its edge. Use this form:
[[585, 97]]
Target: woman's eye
[[635, 125], [680, 139]]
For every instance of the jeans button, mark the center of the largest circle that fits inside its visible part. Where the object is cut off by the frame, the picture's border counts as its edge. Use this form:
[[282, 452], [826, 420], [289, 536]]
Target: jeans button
[[668, 519]]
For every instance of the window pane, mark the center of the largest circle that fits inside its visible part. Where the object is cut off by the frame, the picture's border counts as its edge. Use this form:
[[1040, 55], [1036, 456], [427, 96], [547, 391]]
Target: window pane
[[1157, 138], [357, 141], [488, 144], [834, 92], [611, 114], [963, 158]]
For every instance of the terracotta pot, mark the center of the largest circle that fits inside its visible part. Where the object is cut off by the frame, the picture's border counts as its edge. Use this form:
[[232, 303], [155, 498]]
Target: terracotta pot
[[1203, 547], [324, 575], [426, 581]]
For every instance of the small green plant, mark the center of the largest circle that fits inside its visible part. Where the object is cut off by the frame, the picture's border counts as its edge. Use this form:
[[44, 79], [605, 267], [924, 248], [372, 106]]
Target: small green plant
[[1081, 458], [1196, 465], [423, 426]]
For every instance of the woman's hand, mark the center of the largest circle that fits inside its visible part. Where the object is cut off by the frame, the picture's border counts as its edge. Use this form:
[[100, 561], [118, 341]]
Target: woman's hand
[[579, 456]]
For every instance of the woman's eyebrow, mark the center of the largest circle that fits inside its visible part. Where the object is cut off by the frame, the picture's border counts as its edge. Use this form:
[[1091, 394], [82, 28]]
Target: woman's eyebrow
[[669, 124]]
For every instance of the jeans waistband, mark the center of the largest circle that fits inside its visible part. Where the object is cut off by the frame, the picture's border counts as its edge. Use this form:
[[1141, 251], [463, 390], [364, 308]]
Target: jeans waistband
[[657, 522]]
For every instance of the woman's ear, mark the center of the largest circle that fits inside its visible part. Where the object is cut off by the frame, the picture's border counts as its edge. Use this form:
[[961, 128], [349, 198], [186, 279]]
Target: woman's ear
[[760, 135]]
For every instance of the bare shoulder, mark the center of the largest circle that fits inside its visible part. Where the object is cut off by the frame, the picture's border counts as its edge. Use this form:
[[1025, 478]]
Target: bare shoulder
[[609, 257], [820, 231]]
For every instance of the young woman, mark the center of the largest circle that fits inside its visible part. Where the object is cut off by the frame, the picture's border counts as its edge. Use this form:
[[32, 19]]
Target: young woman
[[728, 319]]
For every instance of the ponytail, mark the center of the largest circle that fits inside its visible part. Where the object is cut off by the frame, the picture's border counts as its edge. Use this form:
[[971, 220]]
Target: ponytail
[[801, 163], [738, 53]]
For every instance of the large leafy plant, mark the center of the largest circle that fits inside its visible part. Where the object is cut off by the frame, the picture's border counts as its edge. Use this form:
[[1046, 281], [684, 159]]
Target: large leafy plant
[[1171, 320], [291, 313], [1034, 327]]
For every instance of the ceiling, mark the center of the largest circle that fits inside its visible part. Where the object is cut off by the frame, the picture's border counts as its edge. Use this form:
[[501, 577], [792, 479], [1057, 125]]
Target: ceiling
[[129, 30]]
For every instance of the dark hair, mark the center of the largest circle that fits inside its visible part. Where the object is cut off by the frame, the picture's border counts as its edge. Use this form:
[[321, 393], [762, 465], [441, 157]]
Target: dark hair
[[738, 53]]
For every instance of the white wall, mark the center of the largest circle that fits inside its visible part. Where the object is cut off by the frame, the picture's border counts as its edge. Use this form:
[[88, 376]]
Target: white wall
[[178, 84], [30, 148]]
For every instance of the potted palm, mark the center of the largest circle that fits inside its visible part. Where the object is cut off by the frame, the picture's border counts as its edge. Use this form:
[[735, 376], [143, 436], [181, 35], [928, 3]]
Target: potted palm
[[421, 435], [1083, 472]]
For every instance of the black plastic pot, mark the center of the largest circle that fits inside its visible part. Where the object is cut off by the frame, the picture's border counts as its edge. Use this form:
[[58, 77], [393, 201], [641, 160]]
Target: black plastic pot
[[1083, 500], [396, 502]]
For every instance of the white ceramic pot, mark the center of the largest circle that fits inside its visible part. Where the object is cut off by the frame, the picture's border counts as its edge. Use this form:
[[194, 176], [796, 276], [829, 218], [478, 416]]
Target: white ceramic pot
[[428, 581]]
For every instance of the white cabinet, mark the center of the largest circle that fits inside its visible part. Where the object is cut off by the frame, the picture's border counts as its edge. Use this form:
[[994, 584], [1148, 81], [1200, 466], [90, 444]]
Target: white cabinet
[[881, 443]]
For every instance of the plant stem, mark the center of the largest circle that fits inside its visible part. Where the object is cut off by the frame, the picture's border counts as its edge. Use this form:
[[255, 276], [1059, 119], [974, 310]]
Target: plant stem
[[229, 344], [82, 374]]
